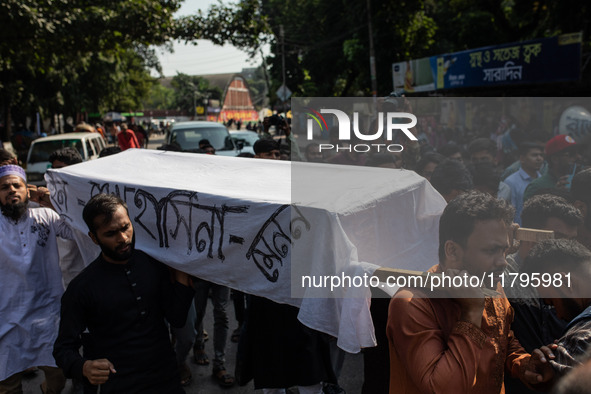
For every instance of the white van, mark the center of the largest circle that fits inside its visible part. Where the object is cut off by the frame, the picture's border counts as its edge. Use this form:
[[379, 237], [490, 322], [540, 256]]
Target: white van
[[88, 144]]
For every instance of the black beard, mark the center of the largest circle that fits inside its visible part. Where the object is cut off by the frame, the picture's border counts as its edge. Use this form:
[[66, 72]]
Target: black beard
[[114, 255], [15, 211]]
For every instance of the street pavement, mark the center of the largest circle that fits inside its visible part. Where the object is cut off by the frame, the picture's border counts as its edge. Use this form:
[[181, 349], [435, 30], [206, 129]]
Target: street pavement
[[351, 377]]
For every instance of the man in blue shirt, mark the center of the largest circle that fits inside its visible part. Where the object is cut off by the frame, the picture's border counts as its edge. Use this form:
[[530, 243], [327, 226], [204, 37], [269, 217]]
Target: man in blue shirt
[[531, 159]]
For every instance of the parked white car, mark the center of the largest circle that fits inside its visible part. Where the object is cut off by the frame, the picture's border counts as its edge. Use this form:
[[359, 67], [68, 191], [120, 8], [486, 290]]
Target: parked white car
[[88, 144], [185, 136]]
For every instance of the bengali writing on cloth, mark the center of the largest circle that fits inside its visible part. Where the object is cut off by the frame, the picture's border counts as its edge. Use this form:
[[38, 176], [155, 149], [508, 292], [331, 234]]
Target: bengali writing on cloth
[[232, 221]]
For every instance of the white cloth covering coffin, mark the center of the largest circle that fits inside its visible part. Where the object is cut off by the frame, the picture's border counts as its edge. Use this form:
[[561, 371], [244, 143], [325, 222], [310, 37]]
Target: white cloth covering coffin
[[260, 225]]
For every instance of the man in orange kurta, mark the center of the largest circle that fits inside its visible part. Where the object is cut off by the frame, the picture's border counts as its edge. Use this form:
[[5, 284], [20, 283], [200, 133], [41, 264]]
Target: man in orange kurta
[[463, 343]]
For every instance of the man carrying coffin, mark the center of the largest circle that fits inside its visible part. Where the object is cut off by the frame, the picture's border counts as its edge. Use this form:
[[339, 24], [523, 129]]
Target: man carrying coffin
[[464, 343], [277, 350], [117, 306], [30, 283], [570, 261]]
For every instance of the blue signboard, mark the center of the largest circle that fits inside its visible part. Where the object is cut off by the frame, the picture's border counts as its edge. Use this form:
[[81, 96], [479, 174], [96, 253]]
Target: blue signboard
[[543, 60]]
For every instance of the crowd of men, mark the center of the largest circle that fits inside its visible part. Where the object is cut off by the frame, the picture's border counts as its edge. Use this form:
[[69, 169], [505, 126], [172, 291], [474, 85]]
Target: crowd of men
[[489, 345], [59, 317]]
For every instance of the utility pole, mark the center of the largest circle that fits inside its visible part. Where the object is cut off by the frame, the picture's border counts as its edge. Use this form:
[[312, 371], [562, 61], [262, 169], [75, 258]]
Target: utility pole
[[194, 105], [282, 36], [372, 56], [267, 83]]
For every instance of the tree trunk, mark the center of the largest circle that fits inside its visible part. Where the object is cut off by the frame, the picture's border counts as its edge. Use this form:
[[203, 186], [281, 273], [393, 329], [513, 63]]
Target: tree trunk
[[7, 133]]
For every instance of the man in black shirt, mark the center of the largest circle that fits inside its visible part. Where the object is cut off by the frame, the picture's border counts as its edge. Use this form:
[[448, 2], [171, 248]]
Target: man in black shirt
[[117, 306]]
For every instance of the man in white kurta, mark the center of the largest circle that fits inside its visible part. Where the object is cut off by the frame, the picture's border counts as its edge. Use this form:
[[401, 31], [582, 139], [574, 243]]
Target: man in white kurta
[[30, 283]]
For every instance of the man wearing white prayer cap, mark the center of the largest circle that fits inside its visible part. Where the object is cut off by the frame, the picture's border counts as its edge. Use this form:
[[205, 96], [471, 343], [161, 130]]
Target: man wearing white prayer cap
[[30, 284]]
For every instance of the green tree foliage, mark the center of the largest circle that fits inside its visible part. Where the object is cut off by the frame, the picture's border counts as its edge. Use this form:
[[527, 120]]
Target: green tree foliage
[[257, 85], [327, 41], [243, 25], [160, 97], [71, 56], [192, 89], [77, 54]]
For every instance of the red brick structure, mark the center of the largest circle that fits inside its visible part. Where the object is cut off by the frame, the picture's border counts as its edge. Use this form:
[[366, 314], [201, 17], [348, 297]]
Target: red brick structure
[[237, 103]]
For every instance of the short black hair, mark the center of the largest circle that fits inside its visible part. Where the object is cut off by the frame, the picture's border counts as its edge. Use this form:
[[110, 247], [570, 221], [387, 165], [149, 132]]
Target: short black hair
[[429, 157], [581, 186], [525, 147], [67, 155], [6, 155], [285, 149], [110, 150], [265, 145], [101, 205], [486, 175], [450, 149], [563, 193], [537, 210], [378, 159], [174, 147], [451, 175], [480, 144], [461, 214], [553, 255]]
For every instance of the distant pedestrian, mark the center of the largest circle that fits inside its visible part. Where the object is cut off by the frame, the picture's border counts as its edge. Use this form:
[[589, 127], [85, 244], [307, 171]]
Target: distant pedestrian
[[141, 135], [126, 138]]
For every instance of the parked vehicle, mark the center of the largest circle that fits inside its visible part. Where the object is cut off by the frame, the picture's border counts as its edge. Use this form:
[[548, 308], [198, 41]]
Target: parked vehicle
[[185, 137], [88, 144], [244, 140]]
